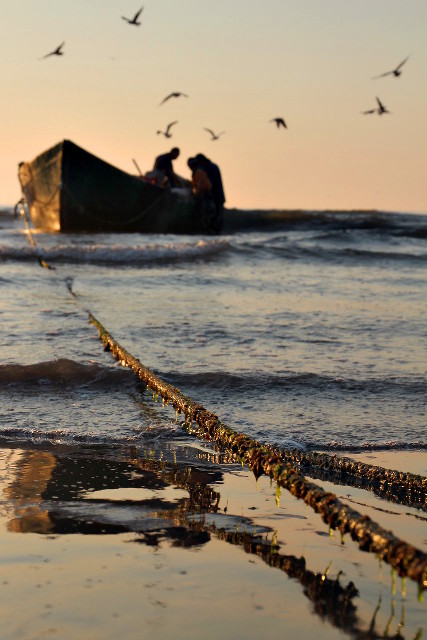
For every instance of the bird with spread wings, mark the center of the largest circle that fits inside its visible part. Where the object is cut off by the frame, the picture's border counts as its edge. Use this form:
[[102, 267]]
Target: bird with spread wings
[[134, 20], [396, 72], [56, 52], [174, 94], [380, 109], [214, 136], [167, 132], [279, 122]]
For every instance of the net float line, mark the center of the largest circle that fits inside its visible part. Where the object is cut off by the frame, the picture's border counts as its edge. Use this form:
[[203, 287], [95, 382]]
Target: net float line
[[395, 486], [405, 558], [20, 210], [389, 491]]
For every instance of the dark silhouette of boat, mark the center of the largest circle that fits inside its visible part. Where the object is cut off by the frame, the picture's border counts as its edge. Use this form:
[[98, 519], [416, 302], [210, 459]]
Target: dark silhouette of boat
[[67, 189]]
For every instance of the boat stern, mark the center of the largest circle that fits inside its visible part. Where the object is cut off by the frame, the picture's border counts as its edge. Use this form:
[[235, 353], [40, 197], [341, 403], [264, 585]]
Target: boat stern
[[41, 186]]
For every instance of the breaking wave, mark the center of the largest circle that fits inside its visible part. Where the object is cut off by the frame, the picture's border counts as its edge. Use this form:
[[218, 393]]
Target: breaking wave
[[115, 253], [63, 372], [291, 381], [324, 235]]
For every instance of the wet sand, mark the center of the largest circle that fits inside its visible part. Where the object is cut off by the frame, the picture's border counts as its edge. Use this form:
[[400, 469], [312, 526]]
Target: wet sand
[[177, 541]]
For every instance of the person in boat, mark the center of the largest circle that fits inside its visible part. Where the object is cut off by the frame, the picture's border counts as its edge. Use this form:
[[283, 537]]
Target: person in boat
[[163, 174], [202, 192], [214, 174]]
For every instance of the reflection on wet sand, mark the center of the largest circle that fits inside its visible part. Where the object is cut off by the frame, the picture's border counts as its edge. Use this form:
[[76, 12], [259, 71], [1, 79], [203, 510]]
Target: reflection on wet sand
[[64, 494], [92, 493], [25, 492]]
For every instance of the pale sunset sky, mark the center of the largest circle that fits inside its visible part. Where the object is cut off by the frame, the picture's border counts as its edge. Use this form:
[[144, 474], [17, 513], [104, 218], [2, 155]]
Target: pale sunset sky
[[241, 63]]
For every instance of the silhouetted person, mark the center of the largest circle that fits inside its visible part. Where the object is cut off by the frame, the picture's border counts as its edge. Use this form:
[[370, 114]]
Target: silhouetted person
[[163, 173], [202, 191], [214, 175]]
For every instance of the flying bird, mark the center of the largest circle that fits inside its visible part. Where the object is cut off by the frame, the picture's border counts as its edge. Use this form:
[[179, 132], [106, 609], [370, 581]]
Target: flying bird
[[279, 122], [174, 94], [56, 52], [134, 20], [167, 132], [380, 109], [394, 72], [214, 136]]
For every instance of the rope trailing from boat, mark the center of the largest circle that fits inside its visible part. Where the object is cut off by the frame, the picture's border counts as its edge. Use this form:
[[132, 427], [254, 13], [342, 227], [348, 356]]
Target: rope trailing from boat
[[54, 185], [392, 485], [406, 559], [21, 210], [397, 486]]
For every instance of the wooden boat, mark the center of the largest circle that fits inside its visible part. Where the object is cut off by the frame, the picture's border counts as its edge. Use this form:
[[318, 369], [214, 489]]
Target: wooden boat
[[67, 189], [70, 190]]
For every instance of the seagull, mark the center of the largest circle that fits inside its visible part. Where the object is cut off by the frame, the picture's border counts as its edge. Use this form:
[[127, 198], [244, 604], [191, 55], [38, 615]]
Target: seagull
[[380, 109], [167, 133], [395, 72], [56, 52], [279, 122], [135, 18], [215, 136], [174, 94]]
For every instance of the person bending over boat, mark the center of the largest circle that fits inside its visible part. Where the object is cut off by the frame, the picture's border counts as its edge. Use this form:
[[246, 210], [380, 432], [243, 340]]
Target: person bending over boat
[[163, 174], [202, 191], [214, 174]]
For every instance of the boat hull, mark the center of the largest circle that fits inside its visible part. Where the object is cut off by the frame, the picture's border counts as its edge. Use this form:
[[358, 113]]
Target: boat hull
[[70, 190]]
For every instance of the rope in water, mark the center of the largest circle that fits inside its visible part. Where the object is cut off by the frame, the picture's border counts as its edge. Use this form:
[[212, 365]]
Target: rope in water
[[395, 486], [406, 488], [406, 559], [20, 210]]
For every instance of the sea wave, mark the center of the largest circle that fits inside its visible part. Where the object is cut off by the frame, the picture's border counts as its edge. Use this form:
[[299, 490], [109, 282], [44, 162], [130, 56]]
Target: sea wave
[[92, 251], [176, 436], [31, 436], [331, 245], [113, 254], [400, 224], [349, 254], [295, 235], [63, 372], [342, 446], [241, 220], [291, 381]]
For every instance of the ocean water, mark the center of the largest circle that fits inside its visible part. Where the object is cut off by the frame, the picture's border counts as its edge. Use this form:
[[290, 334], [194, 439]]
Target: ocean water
[[308, 334]]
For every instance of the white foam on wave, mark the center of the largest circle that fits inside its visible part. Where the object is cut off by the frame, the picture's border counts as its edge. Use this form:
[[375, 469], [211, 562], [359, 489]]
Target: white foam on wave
[[61, 370], [116, 252]]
